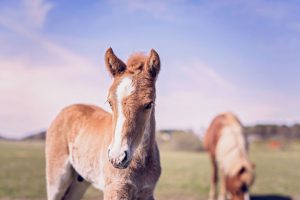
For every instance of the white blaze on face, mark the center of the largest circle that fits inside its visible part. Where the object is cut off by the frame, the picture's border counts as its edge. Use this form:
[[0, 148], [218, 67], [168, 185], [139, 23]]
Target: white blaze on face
[[124, 89]]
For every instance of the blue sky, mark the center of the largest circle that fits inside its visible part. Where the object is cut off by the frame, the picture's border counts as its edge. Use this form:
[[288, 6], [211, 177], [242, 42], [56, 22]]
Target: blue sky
[[236, 55]]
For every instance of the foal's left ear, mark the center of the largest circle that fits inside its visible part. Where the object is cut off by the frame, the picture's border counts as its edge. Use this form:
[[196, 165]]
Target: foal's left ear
[[153, 64]]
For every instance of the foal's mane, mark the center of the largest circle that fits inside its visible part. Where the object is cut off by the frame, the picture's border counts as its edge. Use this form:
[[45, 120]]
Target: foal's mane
[[136, 62]]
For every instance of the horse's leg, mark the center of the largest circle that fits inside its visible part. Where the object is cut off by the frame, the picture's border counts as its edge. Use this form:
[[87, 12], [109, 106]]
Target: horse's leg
[[59, 171], [222, 195], [214, 178], [77, 188], [59, 177]]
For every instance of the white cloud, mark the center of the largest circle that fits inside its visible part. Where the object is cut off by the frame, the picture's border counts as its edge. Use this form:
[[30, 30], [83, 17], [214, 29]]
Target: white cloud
[[32, 96], [30, 14], [32, 93], [207, 93], [34, 13], [201, 74], [37, 11], [283, 13]]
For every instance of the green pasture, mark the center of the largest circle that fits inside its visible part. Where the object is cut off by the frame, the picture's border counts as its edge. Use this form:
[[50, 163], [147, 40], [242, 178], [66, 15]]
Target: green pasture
[[185, 174]]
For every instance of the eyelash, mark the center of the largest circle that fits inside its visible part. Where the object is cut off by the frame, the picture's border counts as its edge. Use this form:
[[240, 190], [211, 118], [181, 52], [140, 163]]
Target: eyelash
[[148, 106], [110, 104]]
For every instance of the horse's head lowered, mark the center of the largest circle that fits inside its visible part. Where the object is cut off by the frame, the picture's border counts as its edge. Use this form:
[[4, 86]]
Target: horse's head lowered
[[240, 180], [131, 97]]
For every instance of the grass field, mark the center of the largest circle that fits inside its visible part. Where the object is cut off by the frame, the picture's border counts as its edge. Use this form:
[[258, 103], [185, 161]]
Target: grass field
[[185, 175]]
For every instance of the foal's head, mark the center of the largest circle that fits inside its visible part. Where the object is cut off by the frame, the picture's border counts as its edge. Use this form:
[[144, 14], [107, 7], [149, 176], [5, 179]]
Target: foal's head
[[131, 97], [240, 181]]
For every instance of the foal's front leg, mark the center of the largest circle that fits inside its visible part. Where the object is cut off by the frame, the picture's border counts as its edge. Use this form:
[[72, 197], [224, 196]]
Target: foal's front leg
[[214, 179], [119, 192], [222, 195]]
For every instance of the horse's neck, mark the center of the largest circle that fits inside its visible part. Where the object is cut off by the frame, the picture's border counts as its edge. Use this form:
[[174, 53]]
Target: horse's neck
[[147, 145]]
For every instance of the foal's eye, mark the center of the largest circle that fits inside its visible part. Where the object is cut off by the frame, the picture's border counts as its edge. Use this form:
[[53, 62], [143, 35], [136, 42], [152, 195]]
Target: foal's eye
[[148, 106], [110, 104]]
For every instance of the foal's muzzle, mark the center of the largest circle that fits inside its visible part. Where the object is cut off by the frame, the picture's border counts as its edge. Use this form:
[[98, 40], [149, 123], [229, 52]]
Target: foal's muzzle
[[120, 161], [244, 188]]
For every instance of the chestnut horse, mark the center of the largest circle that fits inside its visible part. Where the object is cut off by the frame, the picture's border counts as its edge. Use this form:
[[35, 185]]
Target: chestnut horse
[[228, 148], [116, 153]]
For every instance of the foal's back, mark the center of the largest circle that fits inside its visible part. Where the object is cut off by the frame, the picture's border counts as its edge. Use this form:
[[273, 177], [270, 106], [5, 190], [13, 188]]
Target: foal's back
[[75, 120], [228, 127]]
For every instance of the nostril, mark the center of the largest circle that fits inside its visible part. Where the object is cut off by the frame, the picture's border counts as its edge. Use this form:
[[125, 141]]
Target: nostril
[[125, 157], [244, 188]]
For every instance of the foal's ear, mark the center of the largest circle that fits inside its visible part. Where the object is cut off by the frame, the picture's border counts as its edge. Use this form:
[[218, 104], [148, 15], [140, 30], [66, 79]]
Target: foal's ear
[[153, 64], [242, 170], [114, 65]]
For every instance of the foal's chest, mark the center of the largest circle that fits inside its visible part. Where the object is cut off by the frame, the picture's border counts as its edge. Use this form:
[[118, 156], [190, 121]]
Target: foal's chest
[[89, 165]]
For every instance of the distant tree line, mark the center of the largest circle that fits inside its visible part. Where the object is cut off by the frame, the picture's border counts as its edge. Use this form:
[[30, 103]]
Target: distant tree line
[[272, 131]]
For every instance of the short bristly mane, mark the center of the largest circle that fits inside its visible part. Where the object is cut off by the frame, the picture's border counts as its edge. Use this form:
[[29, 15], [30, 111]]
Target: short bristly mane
[[136, 62]]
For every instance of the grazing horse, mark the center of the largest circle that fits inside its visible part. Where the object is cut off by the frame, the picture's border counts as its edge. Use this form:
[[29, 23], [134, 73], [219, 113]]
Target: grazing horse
[[228, 148], [116, 153]]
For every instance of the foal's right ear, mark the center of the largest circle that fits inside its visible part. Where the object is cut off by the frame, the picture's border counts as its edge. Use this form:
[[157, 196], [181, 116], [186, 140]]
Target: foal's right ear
[[114, 65]]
